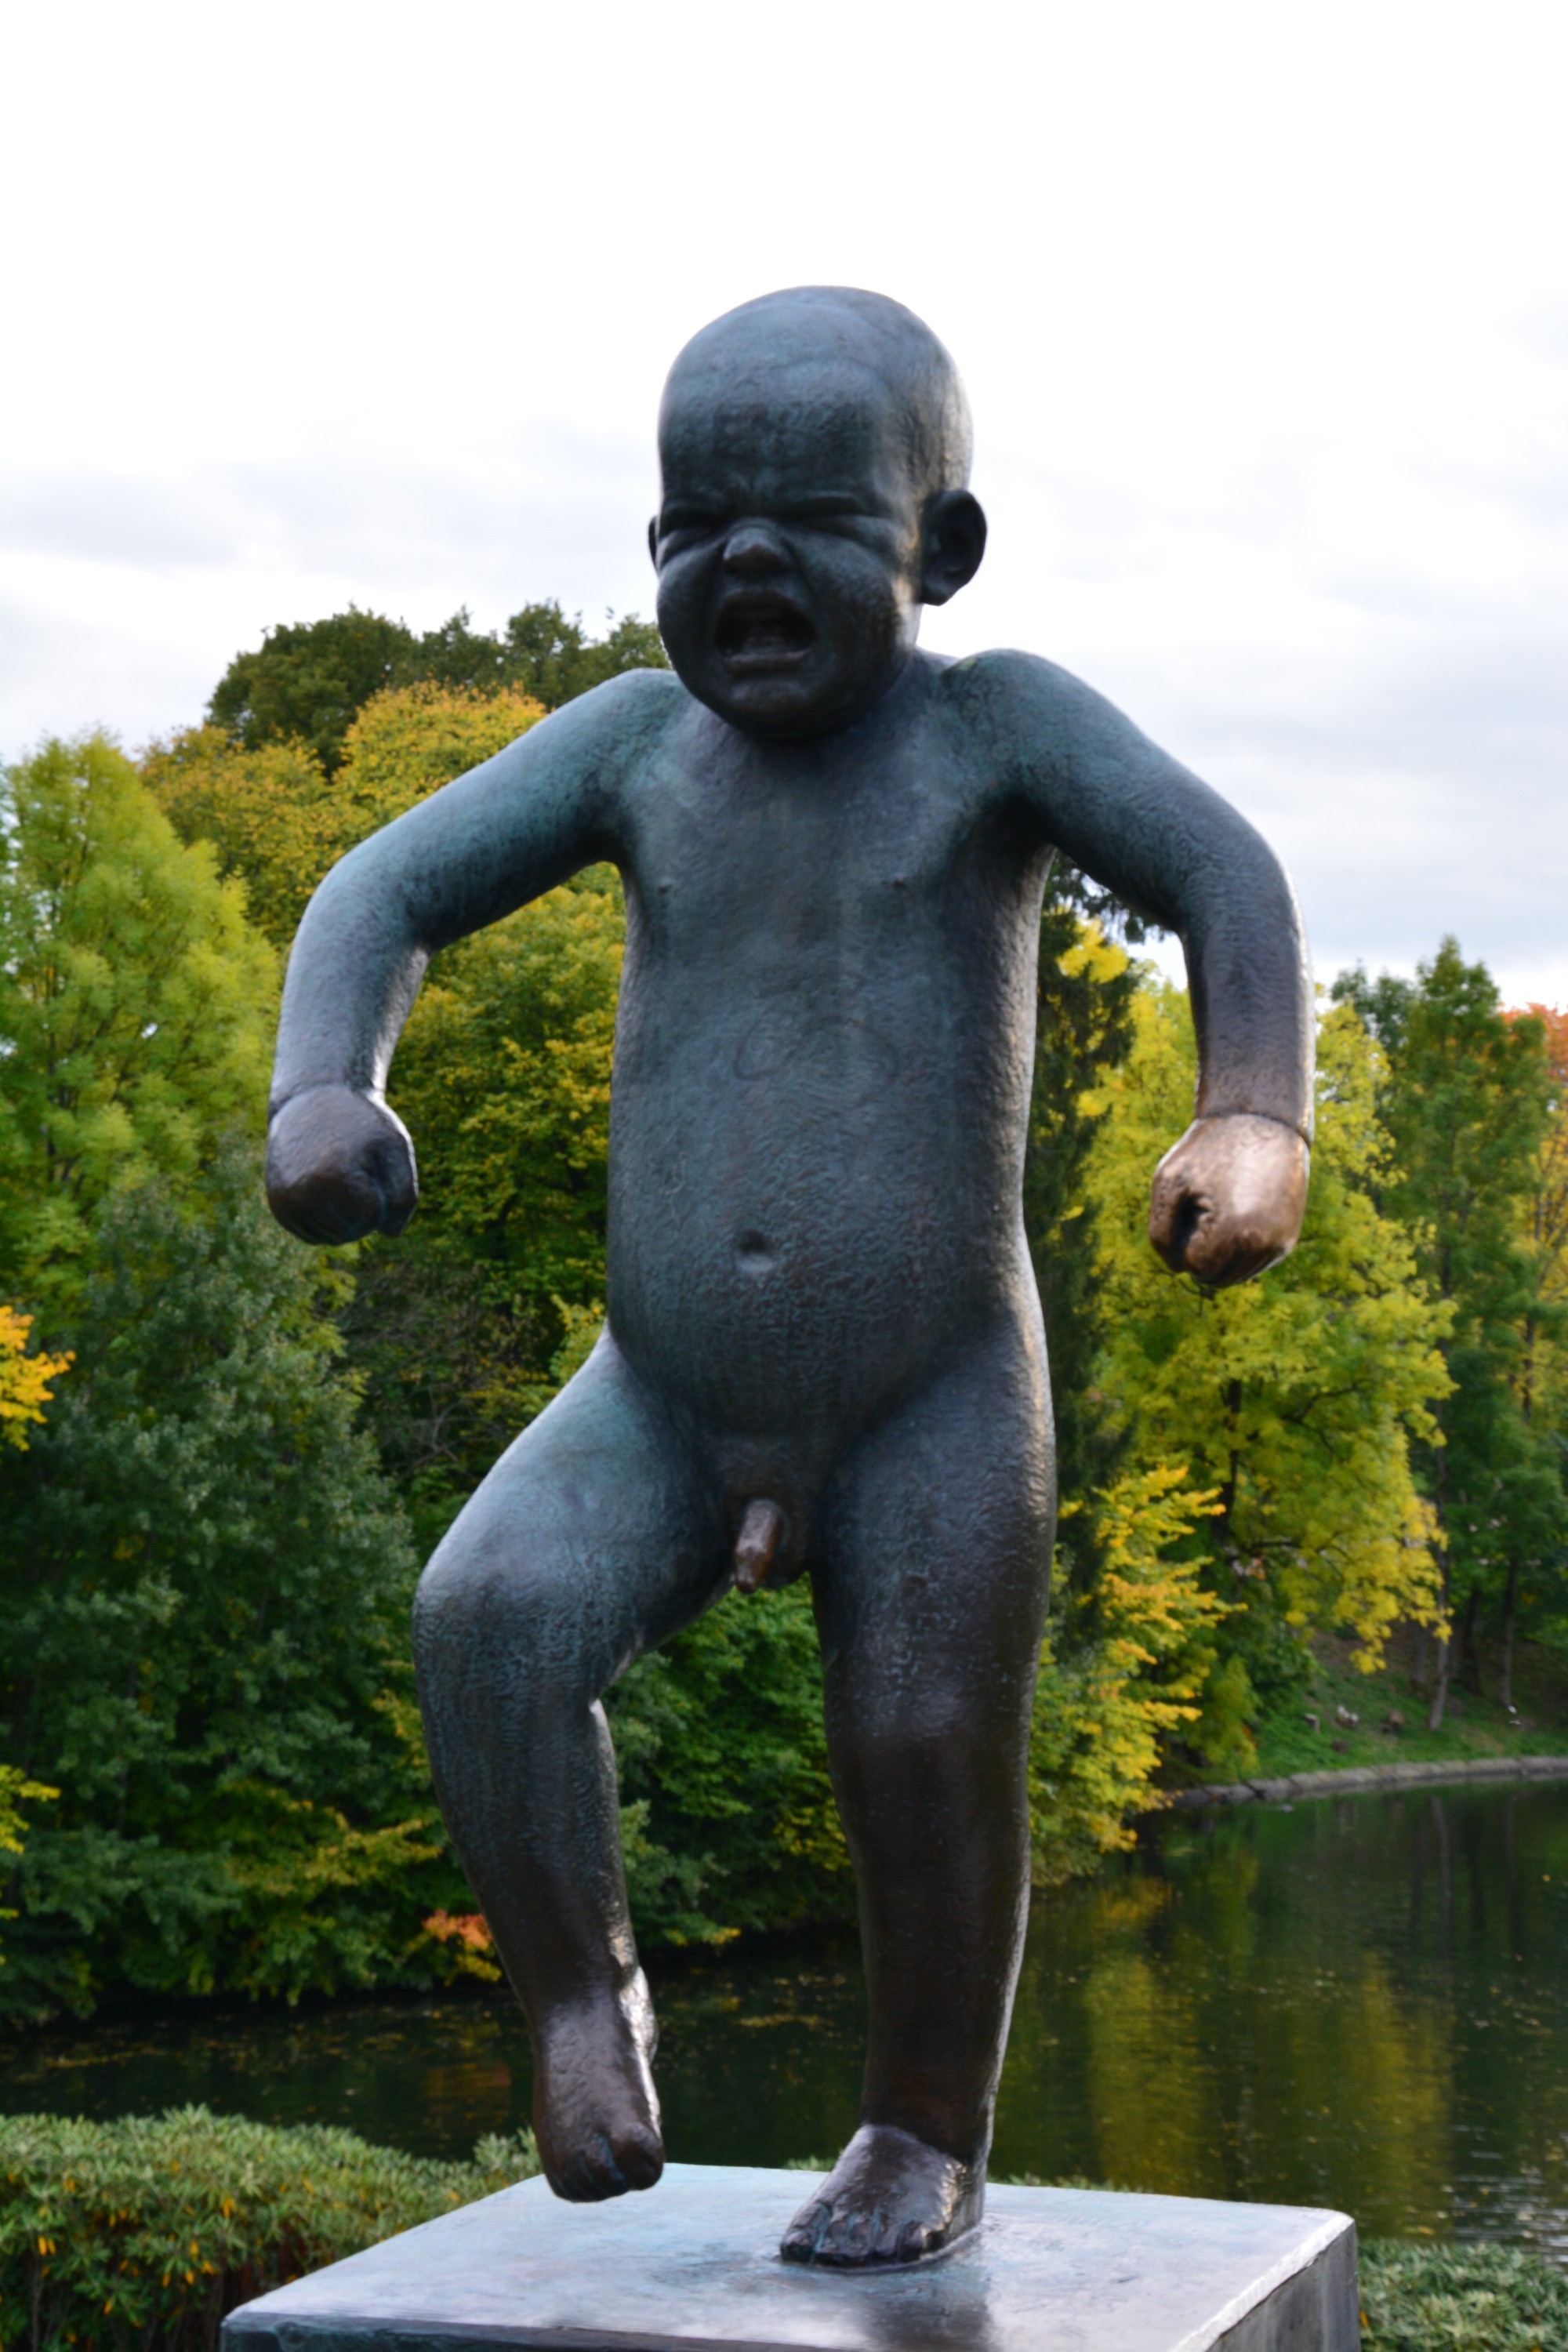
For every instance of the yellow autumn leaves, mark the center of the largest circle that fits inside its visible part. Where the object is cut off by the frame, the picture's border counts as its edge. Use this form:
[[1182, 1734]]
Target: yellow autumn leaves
[[1296, 1396], [1267, 1433], [275, 817], [26, 1381]]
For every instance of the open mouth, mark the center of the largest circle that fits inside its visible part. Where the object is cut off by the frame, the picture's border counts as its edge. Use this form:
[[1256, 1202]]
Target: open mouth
[[759, 631]]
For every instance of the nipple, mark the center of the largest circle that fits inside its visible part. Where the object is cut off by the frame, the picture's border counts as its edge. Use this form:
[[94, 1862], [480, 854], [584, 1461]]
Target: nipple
[[761, 1531]]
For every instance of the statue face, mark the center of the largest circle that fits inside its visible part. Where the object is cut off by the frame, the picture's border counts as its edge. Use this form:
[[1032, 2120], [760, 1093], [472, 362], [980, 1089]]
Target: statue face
[[788, 543]]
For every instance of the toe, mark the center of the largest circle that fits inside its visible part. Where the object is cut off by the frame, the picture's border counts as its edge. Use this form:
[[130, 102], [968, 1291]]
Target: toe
[[640, 2160], [803, 2240]]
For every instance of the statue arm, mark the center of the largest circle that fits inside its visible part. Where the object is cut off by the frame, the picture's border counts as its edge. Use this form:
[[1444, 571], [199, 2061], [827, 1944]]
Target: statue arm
[[1229, 1197], [339, 1164]]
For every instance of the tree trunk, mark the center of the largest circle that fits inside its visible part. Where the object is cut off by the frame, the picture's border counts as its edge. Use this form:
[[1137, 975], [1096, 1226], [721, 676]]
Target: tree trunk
[[1509, 1606], [1443, 1645], [1440, 1686]]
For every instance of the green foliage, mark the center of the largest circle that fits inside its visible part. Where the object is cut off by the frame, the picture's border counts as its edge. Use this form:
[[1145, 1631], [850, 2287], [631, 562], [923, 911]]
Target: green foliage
[[276, 821], [1104, 1706], [1469, 1102], [136, 1008], [504, 1079], [267, 815], [211, 1557], [728, 1812], [204, 1587], [17, 1790], [306, 683], [114, 2236], [1461, 2298], [1298, 1397], [1083, 1029], [551, 658], [149, 2230]]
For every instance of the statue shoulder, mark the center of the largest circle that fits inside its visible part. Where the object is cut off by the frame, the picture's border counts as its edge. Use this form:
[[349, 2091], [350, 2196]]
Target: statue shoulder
[[1023, 706], [1004, 677], [598, 739], [630, 710]]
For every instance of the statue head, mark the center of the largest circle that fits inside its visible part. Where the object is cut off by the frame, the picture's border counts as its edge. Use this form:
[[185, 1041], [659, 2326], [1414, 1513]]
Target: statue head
[[814, 447]]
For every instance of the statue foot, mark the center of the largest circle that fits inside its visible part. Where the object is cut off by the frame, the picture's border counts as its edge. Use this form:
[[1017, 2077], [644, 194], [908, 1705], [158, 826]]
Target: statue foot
[[890, 2198], [596, 2111]]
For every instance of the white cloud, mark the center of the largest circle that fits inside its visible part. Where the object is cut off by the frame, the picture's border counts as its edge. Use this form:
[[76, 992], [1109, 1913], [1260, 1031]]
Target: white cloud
[[1264, 315]]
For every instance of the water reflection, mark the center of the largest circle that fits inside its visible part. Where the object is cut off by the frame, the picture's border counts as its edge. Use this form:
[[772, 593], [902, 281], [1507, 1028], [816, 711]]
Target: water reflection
[[1356, 2003]]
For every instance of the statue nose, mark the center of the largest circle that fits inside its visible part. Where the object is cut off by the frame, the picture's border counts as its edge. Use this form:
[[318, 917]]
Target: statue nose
[[753, 550]]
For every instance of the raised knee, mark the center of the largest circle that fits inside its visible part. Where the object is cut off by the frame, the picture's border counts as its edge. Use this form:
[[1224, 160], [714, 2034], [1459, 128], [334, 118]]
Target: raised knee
[[497, 1613]]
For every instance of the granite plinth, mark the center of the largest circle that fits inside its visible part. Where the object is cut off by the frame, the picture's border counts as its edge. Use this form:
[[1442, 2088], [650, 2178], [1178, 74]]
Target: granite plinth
[[693, 2266]]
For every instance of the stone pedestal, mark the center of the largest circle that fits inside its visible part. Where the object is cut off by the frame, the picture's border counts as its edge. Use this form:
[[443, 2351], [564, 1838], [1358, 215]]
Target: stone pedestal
[[693, 2266]]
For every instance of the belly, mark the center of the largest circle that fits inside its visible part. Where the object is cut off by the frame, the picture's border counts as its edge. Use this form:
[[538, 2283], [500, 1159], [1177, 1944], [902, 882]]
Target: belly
[[810, 1208]]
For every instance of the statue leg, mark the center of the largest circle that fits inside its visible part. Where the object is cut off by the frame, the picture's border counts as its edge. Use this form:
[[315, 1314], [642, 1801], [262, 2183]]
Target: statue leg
[[931, 1578], [593, 1537]]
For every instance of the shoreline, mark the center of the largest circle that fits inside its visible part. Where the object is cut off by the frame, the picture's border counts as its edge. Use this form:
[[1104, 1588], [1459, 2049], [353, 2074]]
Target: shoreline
[[1356, 1779]]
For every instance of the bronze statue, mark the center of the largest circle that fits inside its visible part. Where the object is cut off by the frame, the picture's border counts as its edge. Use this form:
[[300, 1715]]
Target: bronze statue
[[823, 1353]]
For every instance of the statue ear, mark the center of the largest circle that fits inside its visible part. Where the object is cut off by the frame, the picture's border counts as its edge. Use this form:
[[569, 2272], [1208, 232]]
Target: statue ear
[[954, 544], [653, 541]]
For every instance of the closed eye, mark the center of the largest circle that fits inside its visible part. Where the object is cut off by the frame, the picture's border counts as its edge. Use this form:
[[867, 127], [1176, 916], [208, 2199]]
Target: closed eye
[[683, 518], [827, 506]]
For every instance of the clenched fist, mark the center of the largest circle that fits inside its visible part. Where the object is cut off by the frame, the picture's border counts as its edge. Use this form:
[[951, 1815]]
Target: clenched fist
[[1228, 1197], [339, 1165]]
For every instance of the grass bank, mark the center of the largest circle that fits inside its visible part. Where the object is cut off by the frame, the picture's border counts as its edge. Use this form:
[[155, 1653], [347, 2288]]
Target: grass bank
[[1460, 2299], [1305, 1733]]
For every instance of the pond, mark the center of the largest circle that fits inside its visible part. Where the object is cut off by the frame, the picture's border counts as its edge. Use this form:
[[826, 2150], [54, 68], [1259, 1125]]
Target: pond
[[1355, 2002]]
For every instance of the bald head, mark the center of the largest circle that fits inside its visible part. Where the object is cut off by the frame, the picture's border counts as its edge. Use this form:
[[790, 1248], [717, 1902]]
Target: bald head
[[766, 351], [814, 447]]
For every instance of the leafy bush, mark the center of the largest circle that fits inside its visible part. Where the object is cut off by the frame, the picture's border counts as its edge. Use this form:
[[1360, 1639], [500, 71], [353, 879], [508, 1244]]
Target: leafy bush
[[1460, 2299], [204, 1591], [727, 1810], [148, 2231]]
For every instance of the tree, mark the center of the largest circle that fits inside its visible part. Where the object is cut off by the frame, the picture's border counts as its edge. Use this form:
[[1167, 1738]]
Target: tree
[[503, 1077], [204, 1587], [24, 1380], [1543, 1371], [1083, 1029], [306, 684], [1541, 1378], [17, 1790], [551, 656], [728, 1816], [308, 681], [1298, 1398], [136, 1008], [1105, 1706], [277, 823], [1466, 1104]]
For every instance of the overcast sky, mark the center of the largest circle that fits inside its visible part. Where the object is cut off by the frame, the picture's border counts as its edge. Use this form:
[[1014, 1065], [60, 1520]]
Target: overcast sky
[[1263, 311]]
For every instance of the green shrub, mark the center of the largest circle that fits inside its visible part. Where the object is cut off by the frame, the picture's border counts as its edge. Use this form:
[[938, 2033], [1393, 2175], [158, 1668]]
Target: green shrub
[[1463, 2298], [146, 2232]]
